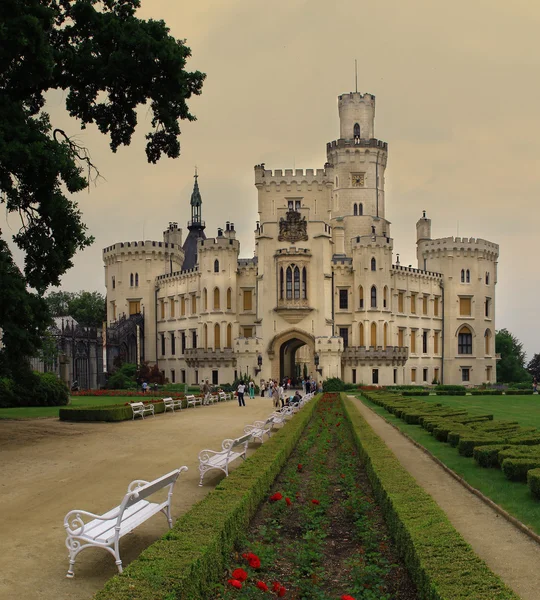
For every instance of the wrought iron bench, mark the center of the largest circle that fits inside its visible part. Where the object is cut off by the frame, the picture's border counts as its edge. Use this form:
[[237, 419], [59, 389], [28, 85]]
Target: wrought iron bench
[[172, 403], [140, 409], [230, 451]]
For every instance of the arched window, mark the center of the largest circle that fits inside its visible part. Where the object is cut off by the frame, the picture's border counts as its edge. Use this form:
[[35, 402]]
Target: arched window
[[373, 297], [205, 336], [373, 264], [296, 283], [216, 299], [361, 341], [136, 280], [360, 209], [337, 181], [355, 209], [465, 341], [304, 283], [462, 275], [361, 295], [217, 336], [385, 297], [281, 283], [373, 341], [229, 298], [468, 276], [229, 336], [289, 283], [487, 342], [385, 331], [131, 280], [356, 133], [216, 266], [205, 299], [487, 278]]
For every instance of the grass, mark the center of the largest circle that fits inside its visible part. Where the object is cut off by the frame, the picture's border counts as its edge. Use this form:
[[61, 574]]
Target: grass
[[514, 497], [40, 412]]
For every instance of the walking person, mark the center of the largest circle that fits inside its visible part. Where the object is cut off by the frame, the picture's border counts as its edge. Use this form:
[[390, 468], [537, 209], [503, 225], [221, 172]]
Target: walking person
[[206, 392], [240, 391], [275, 397], [144, 387], [263, 388], [251, 387]]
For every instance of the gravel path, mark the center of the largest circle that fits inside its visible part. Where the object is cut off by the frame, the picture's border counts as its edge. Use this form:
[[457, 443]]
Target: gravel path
[[505, 549], [50, 467]]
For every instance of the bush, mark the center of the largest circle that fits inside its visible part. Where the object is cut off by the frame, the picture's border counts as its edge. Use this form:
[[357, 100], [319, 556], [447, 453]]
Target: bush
[[36, 389], [533, 481], [333, 384], [111, 413], [51, 390], [467, 444], [488, 456], [420, 392], [516, 469], [450, 388], [8, 397], [123, 378], [526, 392]]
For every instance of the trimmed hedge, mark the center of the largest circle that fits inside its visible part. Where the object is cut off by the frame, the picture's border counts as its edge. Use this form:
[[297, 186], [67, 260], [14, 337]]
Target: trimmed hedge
[[466, 444], [533, 481], [441, 564], [192, 557], [110, 413], [516, 469], [488, 456], [519, 392]]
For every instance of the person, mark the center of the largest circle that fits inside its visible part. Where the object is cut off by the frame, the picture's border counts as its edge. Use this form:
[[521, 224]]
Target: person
[[281, 393], [251, 389], [263, 388], [275, 397], [155, 388], [144, 387], [240, 391], [205, 391]]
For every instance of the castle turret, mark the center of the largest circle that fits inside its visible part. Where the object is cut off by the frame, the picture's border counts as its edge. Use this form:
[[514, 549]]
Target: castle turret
[[196, 228], [356, 116]]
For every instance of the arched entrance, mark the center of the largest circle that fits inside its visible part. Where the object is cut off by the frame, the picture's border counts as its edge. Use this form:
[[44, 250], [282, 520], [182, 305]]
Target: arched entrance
[[292, 354]]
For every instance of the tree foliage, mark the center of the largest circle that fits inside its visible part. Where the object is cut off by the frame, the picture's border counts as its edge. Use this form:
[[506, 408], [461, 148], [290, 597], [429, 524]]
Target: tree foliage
[[511, 367], [534, 367], [87, 308], [108, 63]]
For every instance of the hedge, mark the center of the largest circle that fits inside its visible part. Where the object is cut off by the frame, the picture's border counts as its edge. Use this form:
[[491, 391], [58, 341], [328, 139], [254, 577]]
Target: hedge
[[111, 413], [441, 564], [191, 558], [533, 481], [516, 469], [488, 456]]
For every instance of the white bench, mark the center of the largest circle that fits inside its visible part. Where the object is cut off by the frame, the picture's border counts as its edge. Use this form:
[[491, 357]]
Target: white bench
[[280, 416], [260, 428], [172, 403], [86, 530], [193, 400], [210, 399], [140, 409], [224, 396], [230, 451]]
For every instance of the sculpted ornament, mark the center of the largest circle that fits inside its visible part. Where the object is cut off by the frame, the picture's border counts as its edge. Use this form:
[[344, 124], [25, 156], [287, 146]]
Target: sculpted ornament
[[293, 228]]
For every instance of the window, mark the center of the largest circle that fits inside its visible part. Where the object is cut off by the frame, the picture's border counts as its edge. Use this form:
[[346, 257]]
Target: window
[[436, 307], [136, 280], [488, 374], [134, 307], [465, 307], [248, 332], [354, 375], [196, 377], [344, 333], [183, 376], [462, 275], [290, 205], [436, 375], [229, 336], [413, 304], [356, 131], [229, 299], [424, 374], [361, 295], [401, 342], [467, 276], [436, 342], [162, 344], [113, 282], [217, 336], [216, 266], [182, 306], [400, 301], [289, 283], [385, 297], [205, 336], [465, 341], [131, 280], [487, 342], [395, 375], [215, 377], [424, 342], [205, 299], [360, 209], [373, 297], [487, 307], [487, 279], [281, 280], [385, 335], [173, 376], [216, 299], [173, 343], [424, 305], [343, 299], [296, 283], [355, 209], [183, 342], [373, 264], [194, 339], [162, 308], [413, 375], [248, 305], [373, 340], [413, 341], [361, 334], [172, 305], [375, 376], [465, 374], [297, 204], [304, 283], [193, 304]]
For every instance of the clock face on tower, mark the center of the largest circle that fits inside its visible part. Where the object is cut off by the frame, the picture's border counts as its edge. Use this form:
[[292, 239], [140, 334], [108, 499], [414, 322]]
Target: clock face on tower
[[357, 179]]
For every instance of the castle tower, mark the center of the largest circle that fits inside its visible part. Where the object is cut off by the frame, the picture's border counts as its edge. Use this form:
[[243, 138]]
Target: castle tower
[[196, 228], [358, 163]]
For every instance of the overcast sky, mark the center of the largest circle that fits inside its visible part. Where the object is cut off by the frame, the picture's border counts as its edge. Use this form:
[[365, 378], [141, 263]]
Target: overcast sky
[[458, 101]]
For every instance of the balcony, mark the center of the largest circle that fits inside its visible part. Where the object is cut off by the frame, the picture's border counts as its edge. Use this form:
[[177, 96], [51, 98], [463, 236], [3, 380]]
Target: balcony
[[206, 357], [391, 355], [293, 310]]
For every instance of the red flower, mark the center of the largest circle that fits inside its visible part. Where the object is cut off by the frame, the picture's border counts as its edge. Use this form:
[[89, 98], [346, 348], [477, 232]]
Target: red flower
[[253, 560], [276, 586], [299, 468], [315, 502], [347, 597], [281, 592], [338, 424], [239, 574], [262, 586], [342, 476], [275, 497], [288, 501], [235, 583]]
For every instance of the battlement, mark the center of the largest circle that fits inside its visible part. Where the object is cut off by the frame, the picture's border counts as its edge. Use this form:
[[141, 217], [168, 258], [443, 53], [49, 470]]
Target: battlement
[[458, 244], [293, 251], [419, 272], [218, 242], [288, 176], [358, 143], [356, 98], [247, 263], [178, 275], [372, 241], [138, 246]]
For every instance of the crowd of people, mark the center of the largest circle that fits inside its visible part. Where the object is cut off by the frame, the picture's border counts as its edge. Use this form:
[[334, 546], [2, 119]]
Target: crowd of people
[[279, 391]]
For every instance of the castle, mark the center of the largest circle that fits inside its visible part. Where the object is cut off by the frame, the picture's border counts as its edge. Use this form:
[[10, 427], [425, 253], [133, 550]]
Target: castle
[[322, 293]]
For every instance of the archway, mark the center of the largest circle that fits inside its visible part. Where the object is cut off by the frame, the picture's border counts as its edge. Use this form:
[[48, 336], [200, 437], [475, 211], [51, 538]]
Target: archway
[[289, 352]]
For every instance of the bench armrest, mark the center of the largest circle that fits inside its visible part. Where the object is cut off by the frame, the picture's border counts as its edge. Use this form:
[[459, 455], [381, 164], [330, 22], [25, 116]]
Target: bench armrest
[[137, 483], [250, 428], [205, 455], [74, 521]]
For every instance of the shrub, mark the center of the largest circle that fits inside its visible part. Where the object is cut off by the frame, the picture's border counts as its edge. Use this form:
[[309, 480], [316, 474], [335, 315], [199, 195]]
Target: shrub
[[51, 390], [450, 388], [333, 384], [467, 445], [8, 397], [111, 413], [123, 378], [415, 393], [527, 392], [533, 481], [516, 469], [488, 456], [35, 389]]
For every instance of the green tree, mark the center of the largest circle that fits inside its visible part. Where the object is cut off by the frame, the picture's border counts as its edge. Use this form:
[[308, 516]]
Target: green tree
[[108, 63], [58, 303], [88, 308], [511, 367], [534, 367]]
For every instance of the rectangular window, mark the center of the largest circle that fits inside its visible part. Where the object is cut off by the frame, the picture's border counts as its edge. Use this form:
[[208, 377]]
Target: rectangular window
[[424, 342], [290, 205], [173, 376], [215, 377], [413, 341], [436, 375], [343, 299], [344, 333], [248, 332], [248, 305], [413, 375], [488, 307], [488, 374], [424, 305], [424, 374], [354, 375], [395, 375], [297, 204], [196, 377], [436, 307], [401, 342], [113, 306], [162, 308], [183, 375], [183, 306], [464, 343], [173, 344], [193, 304], [183, 341], [436, 342], [465, 307], [400, 302], [194, 339], [465, 374], [113, 282], [134, 307], [413, 304], [163, 344], [375, 376]]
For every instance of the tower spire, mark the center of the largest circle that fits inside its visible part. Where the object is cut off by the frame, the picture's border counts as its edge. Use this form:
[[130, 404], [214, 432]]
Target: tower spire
[[196, 201]]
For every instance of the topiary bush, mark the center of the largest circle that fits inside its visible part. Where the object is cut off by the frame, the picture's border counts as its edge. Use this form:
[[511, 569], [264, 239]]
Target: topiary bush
[[333, 384], [450, 388], [533, 481], [51, 391], [516, 469]]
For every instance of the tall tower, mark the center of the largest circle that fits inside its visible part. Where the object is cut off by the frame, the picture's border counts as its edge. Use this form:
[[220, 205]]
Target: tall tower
[[359, 161], [196, 228]]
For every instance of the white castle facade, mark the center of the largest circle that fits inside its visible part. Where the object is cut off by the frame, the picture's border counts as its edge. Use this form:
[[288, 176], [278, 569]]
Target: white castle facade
[[322, 290]]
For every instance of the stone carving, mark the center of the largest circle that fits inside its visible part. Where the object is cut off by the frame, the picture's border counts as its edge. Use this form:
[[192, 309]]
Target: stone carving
[[293, 228]]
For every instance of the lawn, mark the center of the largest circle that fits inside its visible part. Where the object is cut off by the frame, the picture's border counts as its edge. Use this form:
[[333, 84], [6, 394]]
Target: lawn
[[514, 497], [39, 412]]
